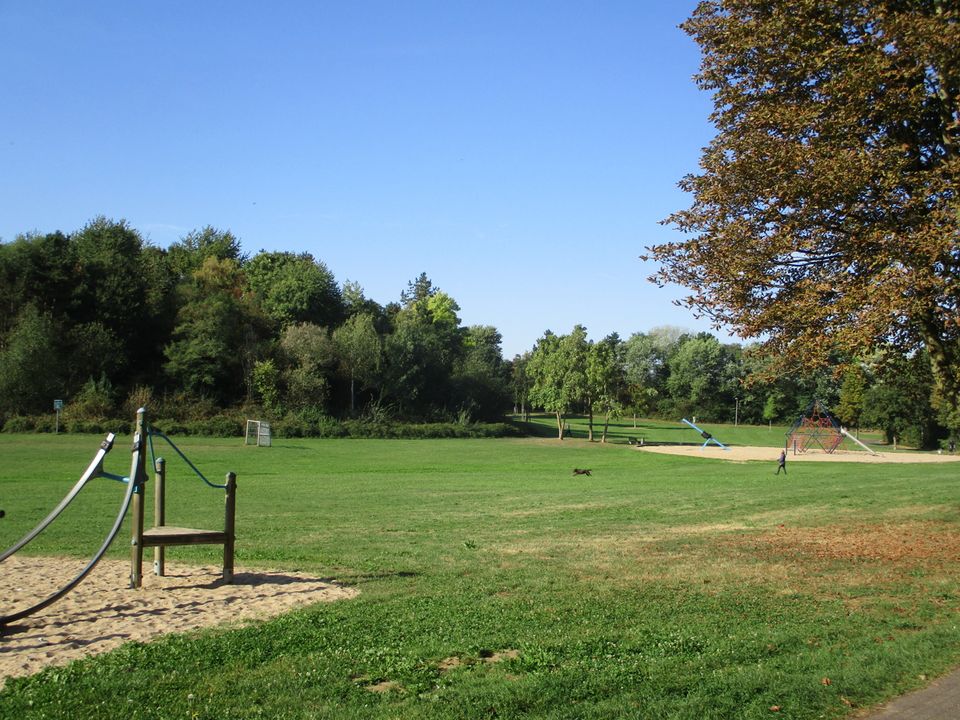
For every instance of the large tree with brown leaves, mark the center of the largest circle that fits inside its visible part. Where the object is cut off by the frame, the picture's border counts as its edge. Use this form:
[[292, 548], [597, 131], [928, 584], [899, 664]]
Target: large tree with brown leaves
[[826, 216]]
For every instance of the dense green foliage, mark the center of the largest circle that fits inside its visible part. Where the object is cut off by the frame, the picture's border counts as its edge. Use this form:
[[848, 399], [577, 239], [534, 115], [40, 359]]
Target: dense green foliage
[[660, 587], [671, 374], [108, 323], [201, 325]]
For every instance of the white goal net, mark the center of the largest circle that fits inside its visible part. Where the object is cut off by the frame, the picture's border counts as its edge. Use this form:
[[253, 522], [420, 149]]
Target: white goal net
[[258, 433]]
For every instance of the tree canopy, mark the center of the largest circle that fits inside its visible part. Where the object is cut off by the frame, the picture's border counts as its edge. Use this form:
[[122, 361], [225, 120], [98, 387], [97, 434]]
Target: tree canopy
[[825, 216], [205, 333], [558, 368]]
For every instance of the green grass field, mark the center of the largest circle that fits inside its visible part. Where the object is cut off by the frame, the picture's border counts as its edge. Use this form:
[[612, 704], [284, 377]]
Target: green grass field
[[660, 587]]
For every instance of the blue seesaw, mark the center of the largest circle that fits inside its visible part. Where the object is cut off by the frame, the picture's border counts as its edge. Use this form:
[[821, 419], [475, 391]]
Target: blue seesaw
[[705, 435]]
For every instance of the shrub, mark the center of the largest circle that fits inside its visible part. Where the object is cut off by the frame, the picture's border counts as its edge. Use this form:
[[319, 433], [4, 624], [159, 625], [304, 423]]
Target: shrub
[[183, 407], [219, 426], [95, 400], [140, 397], [170, 427], [291, 427], [328, 427], [99, 426], [45, 423], [19, 424]]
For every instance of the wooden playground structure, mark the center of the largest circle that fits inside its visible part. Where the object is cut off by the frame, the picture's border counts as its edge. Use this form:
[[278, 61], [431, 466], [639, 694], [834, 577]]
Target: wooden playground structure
[[159, 537]]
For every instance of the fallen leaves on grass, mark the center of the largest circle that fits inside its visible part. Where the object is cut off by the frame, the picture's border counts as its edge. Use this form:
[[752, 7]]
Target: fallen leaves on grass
[[907, 542]]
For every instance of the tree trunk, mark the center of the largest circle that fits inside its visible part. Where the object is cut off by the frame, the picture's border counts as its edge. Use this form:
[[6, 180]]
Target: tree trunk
[[590, 423], [945, 364], [606, 426], [352, 396], [560, 425]]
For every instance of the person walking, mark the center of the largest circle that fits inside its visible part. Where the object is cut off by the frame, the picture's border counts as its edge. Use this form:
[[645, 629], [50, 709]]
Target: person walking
[[782, 462]]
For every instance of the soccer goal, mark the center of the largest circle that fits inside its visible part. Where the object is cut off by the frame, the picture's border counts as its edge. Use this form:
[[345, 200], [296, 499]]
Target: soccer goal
[[258, 433]]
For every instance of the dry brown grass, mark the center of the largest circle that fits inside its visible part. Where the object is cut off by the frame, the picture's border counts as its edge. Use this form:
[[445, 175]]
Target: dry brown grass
[[830, 561], [895, 543]]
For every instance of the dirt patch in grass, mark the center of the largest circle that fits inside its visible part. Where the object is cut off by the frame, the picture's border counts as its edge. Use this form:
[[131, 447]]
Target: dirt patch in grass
[[385, 687], [629, 541], [862, 564], [897, 543], [486, 657], [915, 512]]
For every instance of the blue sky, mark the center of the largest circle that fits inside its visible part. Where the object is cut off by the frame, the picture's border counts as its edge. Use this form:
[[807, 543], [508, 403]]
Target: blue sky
[[519, 153]]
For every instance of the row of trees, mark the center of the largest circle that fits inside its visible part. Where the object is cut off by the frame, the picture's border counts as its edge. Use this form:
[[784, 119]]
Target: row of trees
[[100, 316], [109, 322], [672, 374]]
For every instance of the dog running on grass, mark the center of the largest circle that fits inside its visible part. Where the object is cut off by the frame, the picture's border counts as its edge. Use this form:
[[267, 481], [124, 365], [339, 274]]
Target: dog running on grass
[[582, 471]]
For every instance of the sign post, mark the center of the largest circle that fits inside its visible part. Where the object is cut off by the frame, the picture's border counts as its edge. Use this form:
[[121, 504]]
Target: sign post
[[58, 406]]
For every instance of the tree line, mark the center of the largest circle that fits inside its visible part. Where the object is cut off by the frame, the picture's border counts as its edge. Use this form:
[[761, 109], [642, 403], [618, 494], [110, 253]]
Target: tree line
[[109, 322], [672, 374], [103, 319]]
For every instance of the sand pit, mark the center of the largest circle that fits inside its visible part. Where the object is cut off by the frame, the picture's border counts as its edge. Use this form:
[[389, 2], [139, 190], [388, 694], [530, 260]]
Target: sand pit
[[102, 614], [742, 454]]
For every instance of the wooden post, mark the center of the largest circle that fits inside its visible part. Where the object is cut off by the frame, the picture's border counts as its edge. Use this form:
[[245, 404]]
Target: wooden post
[[138, 476], [136, 541], [159, 511], [229, 526]]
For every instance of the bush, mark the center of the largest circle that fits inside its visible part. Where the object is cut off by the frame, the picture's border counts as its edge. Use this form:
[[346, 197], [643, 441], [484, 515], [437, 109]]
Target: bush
[[45, 423], [170, 427], [418, 431], [97, 427], [301, 424], [219, 426], [328, 427], [308, 422], [19, 424], [94, 401], [291, 427], [184, 408], [140, 397], [48, 424]]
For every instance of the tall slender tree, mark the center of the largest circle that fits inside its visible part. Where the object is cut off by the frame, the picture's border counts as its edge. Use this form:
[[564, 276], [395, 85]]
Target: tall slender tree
[[605, 377], [558, 368], [359, 350]]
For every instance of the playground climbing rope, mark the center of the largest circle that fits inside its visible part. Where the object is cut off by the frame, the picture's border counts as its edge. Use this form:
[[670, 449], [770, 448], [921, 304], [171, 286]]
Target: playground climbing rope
[[94, 470], [158, 537]]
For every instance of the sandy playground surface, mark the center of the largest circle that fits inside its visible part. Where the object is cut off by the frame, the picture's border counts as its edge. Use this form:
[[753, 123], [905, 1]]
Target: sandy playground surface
[[101, 613], [742, 454]]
